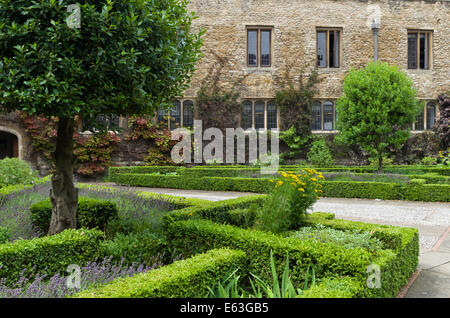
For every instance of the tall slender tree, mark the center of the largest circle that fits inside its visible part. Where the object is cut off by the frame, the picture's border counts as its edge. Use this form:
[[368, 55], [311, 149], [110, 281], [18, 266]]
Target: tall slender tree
[[91, 58]]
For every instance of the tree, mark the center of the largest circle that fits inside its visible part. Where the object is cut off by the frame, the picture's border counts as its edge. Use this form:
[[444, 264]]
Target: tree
[[126, 57], [377, 108]]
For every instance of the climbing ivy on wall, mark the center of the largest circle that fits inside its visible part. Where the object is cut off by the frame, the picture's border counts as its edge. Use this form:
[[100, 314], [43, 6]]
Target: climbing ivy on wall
[[142, 128], [294, 98], [92, 152]]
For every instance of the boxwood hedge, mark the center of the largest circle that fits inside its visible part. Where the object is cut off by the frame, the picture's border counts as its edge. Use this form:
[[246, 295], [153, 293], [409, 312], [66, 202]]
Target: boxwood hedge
[[186, 278], [338, 189], [51, 254]]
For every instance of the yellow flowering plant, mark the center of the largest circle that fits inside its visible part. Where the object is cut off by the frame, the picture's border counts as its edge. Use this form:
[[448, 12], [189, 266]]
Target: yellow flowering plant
[[293, 194]]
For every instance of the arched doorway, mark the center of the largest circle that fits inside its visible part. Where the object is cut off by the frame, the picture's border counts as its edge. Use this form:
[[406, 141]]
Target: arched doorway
[[9, 145]]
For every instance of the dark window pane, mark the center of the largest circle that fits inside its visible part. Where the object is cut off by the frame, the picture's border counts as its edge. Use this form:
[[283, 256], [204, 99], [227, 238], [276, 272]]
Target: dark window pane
[[259, 115], [188, 114], [246, 115], [321, 48], [431, 115], [271, 115], [175, 115], [412, 50], [113, 123], [422, 50], [161, 118], [252, 47], [331, 56], [316, 110], [265, 48], [328, 116], [419, 125]]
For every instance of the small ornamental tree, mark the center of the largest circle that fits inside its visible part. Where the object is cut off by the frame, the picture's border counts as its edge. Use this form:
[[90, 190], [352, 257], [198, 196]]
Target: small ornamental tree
[[377, 108], [97, 57]]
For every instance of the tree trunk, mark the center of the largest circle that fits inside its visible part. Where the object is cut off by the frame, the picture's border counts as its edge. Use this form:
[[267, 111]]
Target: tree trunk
[[380, 162], [63, 194]]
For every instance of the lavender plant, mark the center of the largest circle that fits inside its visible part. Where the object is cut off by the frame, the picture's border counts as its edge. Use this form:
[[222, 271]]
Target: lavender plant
[[93, 274]]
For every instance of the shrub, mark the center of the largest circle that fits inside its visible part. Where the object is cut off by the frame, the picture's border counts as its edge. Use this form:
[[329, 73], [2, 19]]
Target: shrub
[[91, 213], [49, 255], [348, 239], [144, 247], [4, 234], [15, 171], [286, 206], [187, 278], [320, 155]]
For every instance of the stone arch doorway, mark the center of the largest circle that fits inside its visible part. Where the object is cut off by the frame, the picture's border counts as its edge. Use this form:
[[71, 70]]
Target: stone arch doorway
[[9, 144]]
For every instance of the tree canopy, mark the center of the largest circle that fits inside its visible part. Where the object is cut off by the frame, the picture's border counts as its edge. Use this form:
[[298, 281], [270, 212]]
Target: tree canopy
[[378, 106], [120, 57]]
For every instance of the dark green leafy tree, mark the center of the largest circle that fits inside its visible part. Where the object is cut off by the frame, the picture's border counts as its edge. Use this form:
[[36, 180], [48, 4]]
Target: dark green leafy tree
[[126, 57], [377, 108]]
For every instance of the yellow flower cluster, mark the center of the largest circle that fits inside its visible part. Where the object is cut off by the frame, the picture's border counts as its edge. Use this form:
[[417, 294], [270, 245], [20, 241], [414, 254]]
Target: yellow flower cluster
[[296, 179]]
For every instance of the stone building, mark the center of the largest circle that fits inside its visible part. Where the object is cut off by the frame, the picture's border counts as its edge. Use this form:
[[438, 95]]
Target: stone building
[[261, 39]]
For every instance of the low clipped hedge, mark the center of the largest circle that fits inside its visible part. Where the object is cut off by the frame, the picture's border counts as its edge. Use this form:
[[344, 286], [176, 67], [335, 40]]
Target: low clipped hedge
[[91, 213], [51, 254], [7, 191], [191, 234], [337, 189], [187, 278]]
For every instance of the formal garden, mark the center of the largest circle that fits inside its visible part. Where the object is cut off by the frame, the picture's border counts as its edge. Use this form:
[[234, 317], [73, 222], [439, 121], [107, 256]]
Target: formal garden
[[64, 238]]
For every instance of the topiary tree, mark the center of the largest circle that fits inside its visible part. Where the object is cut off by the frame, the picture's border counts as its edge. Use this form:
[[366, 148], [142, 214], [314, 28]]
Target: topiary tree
[[125, 57], [377, 108]]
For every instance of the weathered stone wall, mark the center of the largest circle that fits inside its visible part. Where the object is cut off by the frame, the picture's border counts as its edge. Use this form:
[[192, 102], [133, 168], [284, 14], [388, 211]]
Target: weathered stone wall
[[294, 25]]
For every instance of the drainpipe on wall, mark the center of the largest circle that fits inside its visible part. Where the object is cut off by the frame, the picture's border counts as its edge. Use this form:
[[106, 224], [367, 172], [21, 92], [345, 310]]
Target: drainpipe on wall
[[375, 28]]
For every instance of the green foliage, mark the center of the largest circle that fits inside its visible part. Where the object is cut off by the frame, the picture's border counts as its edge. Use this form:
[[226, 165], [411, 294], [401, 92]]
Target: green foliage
[[442, 126], [379, 101], [287, 204], [51, 254], [373, 161], [341, 272], [428, 161], [294, 99], [4, 234], [296, 143], [91, 213], [144, 247], [14, 171], [229, 288], [320, 155], [115, 63], [187, 278], [350, 239]]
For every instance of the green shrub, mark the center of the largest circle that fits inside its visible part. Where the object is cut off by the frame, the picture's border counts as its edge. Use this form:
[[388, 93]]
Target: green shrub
[[91, 213], [182, 279], [418, 181], [4, 234], [51, 254], [428, 161], [14, 171], [320, 155], [287, 204], [144, 247], [348, 239]]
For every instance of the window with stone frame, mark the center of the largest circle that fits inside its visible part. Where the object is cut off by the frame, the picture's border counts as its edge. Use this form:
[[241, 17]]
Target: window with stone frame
[[259, 46], [419, 49], [259, 114], [323, 115], [427, 117], [181, 115], [328, 47]]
